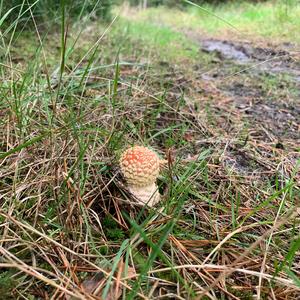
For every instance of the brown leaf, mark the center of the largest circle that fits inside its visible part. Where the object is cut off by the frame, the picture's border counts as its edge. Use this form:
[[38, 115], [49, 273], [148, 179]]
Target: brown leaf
[[95, 285], [90, 285]]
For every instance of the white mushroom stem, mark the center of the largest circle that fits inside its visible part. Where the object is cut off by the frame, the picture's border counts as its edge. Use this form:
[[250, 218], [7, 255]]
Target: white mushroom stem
[[146, 194]]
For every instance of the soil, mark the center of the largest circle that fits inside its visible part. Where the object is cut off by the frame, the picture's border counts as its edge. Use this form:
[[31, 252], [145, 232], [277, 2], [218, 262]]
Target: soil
[[254, 93], [263, 84], [261, 59]]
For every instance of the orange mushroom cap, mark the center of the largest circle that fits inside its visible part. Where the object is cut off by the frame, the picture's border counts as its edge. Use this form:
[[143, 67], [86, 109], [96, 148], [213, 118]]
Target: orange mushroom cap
[[140, 166]]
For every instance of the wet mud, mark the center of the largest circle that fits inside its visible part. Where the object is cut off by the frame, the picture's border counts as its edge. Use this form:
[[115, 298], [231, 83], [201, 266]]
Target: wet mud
[[258, 58]]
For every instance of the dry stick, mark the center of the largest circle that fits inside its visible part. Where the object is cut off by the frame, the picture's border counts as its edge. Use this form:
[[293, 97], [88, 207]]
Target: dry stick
[[63, 278], [207, 276], [34, 273], [31, 271], [12, 68], [32, 229], [214, 15], [55, 268], [252, 247], [6, 226], [41, 44], [228, 237], [253, 66], [267, 248], [119, 274], [96, 44], [226, 268]]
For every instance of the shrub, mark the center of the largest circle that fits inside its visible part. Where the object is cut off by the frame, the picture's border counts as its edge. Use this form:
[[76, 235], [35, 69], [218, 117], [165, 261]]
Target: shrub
[[176, 3], [49, 10]]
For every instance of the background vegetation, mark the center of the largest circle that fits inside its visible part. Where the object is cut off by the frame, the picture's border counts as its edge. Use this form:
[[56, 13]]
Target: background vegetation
[[272, 21], [176, 3], [21, 11]]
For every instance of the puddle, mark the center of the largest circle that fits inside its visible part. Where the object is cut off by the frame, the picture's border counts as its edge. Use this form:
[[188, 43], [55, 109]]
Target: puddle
[[265, 60], [225, 49]]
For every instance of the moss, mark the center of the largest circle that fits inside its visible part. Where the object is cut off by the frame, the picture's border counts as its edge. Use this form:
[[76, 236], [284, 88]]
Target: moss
[[7, 283], [111, 229]]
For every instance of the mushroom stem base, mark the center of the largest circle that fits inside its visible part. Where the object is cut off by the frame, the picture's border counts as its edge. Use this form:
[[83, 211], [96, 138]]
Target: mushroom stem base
[[146, 195]]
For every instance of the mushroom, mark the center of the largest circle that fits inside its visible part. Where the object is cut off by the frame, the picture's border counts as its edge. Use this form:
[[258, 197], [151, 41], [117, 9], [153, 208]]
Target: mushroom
[[140, 167]]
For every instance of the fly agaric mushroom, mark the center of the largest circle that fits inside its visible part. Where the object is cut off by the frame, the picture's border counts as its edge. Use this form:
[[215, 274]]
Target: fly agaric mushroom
[[140, 167]]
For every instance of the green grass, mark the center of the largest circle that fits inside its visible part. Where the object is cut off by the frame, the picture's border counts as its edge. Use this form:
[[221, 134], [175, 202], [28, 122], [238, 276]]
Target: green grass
[[170, 45], [63, 216], [270, 20]]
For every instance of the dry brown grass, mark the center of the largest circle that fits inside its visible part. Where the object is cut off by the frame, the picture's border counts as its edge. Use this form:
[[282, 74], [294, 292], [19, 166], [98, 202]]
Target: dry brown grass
[[68, 231]]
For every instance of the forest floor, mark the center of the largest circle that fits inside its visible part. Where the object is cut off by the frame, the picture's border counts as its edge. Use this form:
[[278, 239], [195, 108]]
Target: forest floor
[[225, 113]]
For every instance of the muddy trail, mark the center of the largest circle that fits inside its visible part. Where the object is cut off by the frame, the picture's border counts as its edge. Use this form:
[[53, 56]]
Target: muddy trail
[[249, 100], [261, 85], [256, 58]]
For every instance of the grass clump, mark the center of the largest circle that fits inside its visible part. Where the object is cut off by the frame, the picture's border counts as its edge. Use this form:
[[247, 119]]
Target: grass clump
[[20, 12]]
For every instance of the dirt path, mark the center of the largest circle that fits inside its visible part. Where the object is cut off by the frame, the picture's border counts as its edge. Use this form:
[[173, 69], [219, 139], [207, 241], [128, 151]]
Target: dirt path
[[262, 83], [258, 59]]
